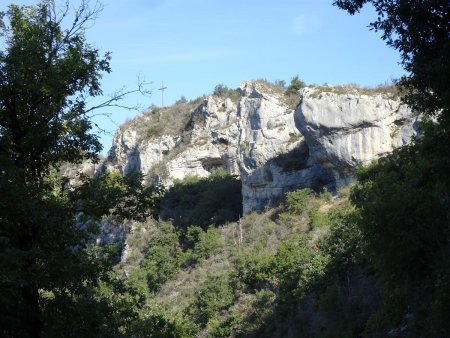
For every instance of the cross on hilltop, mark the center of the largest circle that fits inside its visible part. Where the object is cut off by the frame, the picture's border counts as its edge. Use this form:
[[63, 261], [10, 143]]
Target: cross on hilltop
[[162, 93]]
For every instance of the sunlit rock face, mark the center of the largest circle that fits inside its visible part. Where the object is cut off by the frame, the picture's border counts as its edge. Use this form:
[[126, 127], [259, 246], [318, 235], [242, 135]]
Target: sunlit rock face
[[207, 141], [274, 144], [350, 129], [268, 140]]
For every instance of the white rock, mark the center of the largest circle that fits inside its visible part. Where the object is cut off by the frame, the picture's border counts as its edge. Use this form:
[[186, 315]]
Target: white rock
[[273, 148]]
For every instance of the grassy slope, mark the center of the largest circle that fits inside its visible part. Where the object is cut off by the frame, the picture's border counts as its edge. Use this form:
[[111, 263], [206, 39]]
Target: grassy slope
[[254, 268]]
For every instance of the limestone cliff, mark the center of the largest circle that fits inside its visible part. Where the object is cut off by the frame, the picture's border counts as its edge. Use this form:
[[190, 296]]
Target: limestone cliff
[[273, 142]]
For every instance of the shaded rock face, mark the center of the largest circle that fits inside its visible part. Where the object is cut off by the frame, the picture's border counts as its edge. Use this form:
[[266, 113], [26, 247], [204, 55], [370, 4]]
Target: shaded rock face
[[131, 153], [272, 147]]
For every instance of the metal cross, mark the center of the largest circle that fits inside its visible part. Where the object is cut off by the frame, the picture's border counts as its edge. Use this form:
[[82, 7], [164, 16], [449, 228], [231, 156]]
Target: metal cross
[[162, 93]]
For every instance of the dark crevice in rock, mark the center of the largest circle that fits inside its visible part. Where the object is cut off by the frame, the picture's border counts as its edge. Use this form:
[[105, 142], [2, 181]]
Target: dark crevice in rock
[[294, 160], [210, 164]]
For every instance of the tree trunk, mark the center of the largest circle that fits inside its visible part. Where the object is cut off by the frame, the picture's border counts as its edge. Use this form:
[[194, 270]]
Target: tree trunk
[[32, 320]]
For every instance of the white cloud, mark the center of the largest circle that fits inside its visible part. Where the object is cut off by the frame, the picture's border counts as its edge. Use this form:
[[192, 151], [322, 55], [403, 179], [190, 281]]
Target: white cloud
[[307, 23]]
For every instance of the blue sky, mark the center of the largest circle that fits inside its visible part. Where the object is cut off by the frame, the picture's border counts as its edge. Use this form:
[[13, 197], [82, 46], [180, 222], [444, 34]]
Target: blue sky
[[194, 45]]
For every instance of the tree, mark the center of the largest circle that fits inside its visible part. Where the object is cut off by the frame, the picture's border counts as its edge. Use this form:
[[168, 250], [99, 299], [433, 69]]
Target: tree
[[295, 85], [419, 30], [403, 199], [48, 265]]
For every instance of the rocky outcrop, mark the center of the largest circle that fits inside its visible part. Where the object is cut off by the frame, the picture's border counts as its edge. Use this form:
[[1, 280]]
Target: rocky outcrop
[[273, 147], [352, 129], [339, 132], [132, 153], [267, 133], [207, 141]]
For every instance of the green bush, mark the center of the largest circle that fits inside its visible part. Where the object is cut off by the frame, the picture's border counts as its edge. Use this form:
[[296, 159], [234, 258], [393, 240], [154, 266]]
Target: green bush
[[317, 218], [299, 201], [203, 243], [295, 85], [403, 200], [225, 327], [209, 242], [289, 260], [252, 270], [214, 296], [163, 257], [246, 318], [224, 92], [344, 241], [153, 132]]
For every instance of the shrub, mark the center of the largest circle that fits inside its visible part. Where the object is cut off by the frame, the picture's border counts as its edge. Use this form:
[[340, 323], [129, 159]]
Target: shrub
[[203, 243], [388, 90], [268, 86], [280, 83], [295, 85], [181, 100], [252, 269], [162, 121], [214, 296], [153, 132], [317, 219], [293, 137], [224, 92], [344, 242], [293, 252], [209, 242], [198, 100], [299, 201], [163, 257], [203, 201]]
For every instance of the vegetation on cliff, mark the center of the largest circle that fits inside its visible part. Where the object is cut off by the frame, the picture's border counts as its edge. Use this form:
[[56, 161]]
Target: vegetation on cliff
[[373, 260]]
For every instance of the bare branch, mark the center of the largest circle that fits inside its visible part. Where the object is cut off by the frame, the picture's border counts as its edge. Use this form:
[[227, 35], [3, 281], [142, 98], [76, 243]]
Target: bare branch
[[119, 95], [103, 130], [87, 12]]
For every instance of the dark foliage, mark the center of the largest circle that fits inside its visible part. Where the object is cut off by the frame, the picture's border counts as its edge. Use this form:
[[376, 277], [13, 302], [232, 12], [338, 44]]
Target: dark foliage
[[419, 30], [49, 267], [403, 198], [404, 201], [207, 201], [295, 85]]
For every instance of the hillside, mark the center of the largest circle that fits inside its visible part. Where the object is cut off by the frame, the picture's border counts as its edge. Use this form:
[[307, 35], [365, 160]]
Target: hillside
[[237, 279], [295, 264], [262, 211], [266, 238], [274, 141]]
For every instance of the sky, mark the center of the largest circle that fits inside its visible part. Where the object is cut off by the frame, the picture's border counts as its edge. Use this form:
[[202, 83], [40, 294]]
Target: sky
[[193, 45]]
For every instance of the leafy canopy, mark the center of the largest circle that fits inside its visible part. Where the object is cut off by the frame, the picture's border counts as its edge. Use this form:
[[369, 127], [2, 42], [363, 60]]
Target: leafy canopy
[[49, 267], [46, 74], [403, 199], [419, 30]]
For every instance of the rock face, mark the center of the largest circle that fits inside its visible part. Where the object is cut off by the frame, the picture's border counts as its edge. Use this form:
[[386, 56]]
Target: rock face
[[207, 141], [353, 129], [273, 147]]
